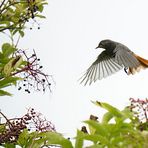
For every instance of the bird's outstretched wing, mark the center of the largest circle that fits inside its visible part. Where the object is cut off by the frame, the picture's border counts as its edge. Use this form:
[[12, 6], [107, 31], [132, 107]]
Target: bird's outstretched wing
[[104, 66]]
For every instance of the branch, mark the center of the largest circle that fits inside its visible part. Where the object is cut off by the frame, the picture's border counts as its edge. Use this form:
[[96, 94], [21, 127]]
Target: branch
[[2, 3], [6, 120], [10, 27], [11, 4]]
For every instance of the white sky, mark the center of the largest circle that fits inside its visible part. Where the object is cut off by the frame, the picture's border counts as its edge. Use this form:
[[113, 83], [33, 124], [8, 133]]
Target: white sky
[[66, 45]]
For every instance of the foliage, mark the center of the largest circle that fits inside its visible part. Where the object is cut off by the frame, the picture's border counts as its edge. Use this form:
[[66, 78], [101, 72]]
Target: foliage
[[15, 64], [8, 64], [31, 130], [15, 13], [117, 129]]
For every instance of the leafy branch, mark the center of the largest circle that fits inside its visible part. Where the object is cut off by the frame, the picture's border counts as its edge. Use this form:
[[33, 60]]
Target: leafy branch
[[30, 131], [117, 128], [15, 64], [15, 14]]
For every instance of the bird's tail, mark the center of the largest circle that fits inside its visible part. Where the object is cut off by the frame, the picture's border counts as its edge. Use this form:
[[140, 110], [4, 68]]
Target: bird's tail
[[143, 61], [143, 65]]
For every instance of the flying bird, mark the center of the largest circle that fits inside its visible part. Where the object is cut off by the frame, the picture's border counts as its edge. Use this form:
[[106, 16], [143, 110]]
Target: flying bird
[[115, 57]]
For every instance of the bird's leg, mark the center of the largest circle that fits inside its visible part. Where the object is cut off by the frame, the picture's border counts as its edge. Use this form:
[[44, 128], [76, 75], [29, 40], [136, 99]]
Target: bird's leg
[[125, 69]]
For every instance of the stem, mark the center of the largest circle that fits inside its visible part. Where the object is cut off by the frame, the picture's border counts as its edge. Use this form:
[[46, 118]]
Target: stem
[[5, 8], [22, 70], [17, 41], [10, 27], [6, 120], [2, 3]]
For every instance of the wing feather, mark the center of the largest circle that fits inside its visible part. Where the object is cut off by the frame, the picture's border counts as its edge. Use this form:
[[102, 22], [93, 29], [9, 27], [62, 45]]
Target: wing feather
[[104, 66], [125, 57]]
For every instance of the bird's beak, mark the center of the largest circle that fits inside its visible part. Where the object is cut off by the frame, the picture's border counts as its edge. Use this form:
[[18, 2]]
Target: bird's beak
[[99, 46]]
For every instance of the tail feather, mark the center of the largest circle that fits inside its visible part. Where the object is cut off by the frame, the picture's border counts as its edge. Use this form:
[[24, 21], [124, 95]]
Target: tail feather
[[143, 65], [143, 61]]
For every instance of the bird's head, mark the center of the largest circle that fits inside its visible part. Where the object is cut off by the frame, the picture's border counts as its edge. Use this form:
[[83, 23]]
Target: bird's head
[[106, 44]]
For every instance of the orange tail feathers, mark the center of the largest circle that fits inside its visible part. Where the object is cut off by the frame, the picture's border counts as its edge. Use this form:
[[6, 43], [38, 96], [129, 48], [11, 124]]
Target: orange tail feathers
[[143, 61], [143, 65]]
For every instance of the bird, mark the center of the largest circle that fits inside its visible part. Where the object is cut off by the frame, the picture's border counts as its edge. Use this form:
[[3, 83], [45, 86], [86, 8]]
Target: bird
[[113, 58]]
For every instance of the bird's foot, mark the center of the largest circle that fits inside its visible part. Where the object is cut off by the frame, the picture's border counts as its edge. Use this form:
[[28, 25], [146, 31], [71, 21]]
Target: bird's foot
[[125, 69]]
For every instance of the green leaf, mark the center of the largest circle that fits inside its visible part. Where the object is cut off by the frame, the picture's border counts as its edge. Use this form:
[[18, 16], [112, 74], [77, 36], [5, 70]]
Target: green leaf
[[100, 128], [4, 93], [40, 16], [23, 138], [107, 117], [56, 138], [21, 33], [79, 139], [14, 31], [96, 138], [9, 81], [9, 145], [36, 139], [114, 111], [8, 68], [7, 23], [7, 49], [128, 114], [145, 135], [40, 8], [12, 65], [2, 128], [95, 146], [3, 60]]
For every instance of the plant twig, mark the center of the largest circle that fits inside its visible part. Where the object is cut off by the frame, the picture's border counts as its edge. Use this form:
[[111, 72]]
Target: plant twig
[[2, 3]]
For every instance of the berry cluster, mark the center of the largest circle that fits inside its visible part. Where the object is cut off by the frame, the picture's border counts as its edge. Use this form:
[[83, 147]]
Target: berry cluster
[[140, 108], [37, 122], [30, 11], [32, 8], [31, 72], [32, 121]]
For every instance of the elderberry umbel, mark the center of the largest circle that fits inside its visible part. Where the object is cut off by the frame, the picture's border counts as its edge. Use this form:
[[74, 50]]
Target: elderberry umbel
[[30, 12], [140, 108], [32, 121], [31, 72]]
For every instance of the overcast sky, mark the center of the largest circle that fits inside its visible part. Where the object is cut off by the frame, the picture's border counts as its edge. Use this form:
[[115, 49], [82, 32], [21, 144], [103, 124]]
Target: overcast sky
[[66, 45]]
